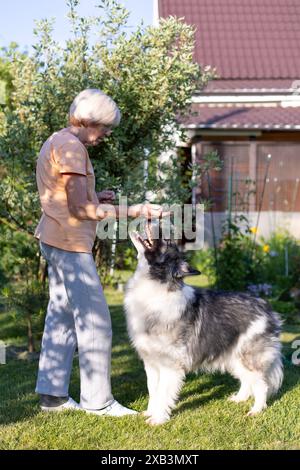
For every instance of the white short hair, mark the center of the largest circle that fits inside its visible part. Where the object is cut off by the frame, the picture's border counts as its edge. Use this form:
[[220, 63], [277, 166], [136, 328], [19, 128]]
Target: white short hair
[[93, 107]]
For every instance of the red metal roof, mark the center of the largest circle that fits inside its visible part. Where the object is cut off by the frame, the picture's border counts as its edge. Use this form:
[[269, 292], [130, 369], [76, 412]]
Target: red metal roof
[[243, 39], [269, 118], [240, 86]]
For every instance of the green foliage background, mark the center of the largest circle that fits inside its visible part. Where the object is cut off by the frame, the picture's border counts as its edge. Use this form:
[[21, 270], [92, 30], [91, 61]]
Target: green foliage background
[[151, 75]]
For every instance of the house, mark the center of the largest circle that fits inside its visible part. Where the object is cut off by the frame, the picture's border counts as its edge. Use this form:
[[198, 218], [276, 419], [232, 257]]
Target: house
[[250, 114]]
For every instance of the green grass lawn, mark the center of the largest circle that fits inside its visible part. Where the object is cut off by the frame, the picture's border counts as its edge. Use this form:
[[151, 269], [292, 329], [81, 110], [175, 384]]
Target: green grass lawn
[[203, 418]]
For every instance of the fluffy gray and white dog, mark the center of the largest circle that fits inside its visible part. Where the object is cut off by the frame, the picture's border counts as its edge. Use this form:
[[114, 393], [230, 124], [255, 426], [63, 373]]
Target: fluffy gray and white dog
[[177, 329]]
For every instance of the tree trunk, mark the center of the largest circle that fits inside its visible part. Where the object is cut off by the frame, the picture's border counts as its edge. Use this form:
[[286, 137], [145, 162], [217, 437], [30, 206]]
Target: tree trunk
[[42, 271], [44, 275], [37, 275], [31, 347]]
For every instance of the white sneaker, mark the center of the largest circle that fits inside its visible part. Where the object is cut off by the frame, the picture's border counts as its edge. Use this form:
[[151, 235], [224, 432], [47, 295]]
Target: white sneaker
[[114, 409], [68, 405]]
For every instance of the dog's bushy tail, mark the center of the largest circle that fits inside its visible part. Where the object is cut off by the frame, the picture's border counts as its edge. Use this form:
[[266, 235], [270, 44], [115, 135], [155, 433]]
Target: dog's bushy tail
[[275, 375], [275, 372]]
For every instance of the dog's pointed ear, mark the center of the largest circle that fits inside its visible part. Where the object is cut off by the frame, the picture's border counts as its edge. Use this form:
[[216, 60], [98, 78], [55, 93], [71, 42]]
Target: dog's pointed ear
[[185, 269]]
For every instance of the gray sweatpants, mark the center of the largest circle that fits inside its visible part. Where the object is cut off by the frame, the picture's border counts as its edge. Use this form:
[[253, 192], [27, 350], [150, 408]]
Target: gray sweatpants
[[77, 314]]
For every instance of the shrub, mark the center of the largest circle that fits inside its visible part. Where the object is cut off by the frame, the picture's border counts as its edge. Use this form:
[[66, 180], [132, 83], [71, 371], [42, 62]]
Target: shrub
[[282, 265], [28, 304]]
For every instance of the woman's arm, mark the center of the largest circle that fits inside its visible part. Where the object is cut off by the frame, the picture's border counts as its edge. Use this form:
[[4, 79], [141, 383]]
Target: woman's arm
[[83, 209], [78, 204]]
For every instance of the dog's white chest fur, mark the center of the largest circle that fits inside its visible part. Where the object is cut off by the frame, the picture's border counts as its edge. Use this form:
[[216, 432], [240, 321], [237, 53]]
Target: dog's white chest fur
[[153, 313]]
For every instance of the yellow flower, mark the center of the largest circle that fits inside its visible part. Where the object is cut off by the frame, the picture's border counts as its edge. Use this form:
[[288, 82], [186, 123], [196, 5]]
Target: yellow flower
[[253, 230], [266, 248]]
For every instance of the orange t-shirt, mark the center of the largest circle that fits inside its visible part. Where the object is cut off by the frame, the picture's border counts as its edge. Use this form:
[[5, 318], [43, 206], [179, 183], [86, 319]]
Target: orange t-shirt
[[64, 153]]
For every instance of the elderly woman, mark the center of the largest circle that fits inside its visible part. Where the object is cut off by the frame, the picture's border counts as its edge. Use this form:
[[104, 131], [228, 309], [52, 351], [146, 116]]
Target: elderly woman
[[77, 313]]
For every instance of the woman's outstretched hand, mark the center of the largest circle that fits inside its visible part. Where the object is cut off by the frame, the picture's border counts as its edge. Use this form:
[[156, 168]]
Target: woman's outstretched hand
[[147, 210]]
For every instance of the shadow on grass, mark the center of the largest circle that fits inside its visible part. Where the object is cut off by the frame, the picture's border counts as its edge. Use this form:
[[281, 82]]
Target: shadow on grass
[[20, 403], [217, 387], [17, 382]]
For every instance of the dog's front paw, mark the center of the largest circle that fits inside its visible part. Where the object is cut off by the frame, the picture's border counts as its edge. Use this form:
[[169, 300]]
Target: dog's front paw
[[236, 398], [233, 398], [146, 413], [256, 410], [253, 413], [157, 420]]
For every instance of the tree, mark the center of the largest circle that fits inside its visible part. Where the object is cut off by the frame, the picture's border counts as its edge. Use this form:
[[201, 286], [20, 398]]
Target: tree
[[5, 78], [150, 74]]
